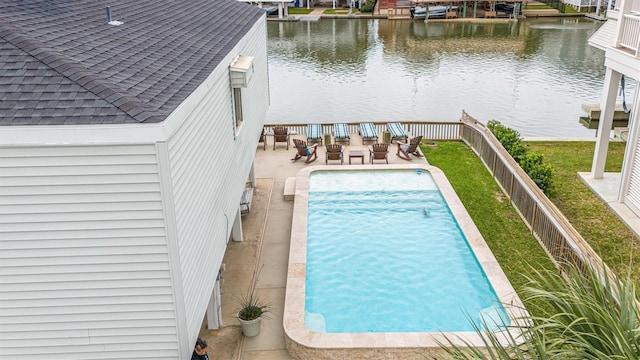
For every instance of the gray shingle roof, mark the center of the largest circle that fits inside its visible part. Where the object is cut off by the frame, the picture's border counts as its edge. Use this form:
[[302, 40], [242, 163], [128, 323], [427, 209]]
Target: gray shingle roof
[[61, 63]]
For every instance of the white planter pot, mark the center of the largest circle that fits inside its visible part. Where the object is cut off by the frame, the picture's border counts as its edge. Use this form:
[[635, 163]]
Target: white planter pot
[[250, 328]]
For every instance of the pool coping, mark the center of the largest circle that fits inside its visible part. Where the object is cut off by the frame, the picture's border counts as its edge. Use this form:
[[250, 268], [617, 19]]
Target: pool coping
[[304, 343]]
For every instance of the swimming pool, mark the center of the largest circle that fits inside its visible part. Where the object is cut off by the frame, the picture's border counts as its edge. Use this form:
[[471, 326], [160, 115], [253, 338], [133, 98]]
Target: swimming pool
[[316, 326], [393, 253]]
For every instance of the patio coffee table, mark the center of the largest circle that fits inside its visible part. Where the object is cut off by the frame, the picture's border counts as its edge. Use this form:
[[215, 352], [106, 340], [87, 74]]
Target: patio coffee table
[[356, 154]]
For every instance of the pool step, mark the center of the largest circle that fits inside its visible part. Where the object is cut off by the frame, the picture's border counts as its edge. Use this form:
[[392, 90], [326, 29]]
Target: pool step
[[290, 189]]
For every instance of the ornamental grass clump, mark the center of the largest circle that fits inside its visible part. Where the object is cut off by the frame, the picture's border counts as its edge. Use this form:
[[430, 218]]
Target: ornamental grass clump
[[533, 164], [252, 307], [580, 315]]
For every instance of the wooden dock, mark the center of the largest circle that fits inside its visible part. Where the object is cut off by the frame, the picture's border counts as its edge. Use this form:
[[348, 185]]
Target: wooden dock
[[620, 118]]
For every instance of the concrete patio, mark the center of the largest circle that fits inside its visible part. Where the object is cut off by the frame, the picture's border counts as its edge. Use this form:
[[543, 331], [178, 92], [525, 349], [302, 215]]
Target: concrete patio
[[263, 255]]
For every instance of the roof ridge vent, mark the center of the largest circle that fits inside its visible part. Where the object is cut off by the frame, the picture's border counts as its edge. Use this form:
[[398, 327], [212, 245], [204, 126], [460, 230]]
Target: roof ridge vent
[[110, 21]]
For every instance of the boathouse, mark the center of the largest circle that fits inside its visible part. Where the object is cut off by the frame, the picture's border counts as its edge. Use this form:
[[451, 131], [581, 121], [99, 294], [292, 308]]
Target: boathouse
[[449, 9]]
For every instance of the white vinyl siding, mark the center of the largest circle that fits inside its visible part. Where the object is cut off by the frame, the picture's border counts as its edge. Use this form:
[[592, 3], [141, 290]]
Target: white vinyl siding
[[209, 167], [83, 254], [633, 194]]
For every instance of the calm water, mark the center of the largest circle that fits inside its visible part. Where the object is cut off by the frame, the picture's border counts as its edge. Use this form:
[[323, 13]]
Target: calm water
[[532, 75], [373, 249]]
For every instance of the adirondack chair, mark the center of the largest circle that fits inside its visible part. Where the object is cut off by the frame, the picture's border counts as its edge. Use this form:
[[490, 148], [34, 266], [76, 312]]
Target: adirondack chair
[[411, 148], [379, 152], [303, 150], [334, 152], [280, 134], [263, 139]]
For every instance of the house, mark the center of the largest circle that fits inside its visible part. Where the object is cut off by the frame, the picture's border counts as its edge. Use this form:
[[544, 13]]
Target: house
[[127, 134], [618, 37]]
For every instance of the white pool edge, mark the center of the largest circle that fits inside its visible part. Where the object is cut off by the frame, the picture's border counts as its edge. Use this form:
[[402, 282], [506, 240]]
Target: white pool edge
[[304, 343]]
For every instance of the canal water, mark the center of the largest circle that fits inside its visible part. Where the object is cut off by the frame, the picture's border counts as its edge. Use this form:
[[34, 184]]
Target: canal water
[[532, 75]]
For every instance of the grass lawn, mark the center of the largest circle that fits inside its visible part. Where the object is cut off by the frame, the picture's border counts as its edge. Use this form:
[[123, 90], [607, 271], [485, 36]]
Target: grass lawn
[[604, 232], [570, 10], [299, 11], [509, 239], [339, 11], [537, 7]]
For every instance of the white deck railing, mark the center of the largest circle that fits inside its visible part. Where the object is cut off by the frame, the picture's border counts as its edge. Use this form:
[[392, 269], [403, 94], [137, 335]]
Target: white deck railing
[[630, 37]]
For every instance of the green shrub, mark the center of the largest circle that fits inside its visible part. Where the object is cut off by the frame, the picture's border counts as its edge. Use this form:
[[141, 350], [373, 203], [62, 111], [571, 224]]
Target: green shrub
[[538, 171], [368, 6], [532, 164], [509, 138]]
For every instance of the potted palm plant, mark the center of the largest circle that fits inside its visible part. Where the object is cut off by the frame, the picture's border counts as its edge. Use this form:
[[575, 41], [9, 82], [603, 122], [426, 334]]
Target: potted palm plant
[[252, 310]]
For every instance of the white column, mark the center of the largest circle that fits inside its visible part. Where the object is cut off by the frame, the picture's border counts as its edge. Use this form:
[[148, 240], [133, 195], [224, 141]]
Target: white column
[[236, 230], [252, 174], [633, 141], [214, 314], [607, 108], [279, 10]]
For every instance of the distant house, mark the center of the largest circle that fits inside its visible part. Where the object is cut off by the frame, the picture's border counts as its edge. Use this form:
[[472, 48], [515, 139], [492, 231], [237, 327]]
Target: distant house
[[125, 145], [618, 37]]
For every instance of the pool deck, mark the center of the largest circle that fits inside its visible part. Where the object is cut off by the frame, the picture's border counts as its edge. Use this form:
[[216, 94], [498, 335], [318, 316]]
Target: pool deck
[[307, 344], [265, 252], [267, 233]]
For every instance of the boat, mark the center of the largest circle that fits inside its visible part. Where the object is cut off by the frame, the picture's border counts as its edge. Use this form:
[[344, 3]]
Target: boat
[[271, 9], [433, 10]]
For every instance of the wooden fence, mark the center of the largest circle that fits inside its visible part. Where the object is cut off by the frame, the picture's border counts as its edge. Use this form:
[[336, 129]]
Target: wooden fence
[[549, 226]]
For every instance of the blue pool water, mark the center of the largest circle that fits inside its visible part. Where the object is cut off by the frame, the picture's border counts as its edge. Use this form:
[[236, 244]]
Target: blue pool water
[[383, 259]]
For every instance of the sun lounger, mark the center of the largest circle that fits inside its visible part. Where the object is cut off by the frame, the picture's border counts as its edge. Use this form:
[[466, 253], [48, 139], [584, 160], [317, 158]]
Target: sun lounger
[[314, 133], [397, 132], [368, 132], [341, 132]]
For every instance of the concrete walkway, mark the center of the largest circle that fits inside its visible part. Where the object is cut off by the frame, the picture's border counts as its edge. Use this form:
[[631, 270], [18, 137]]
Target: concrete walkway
[[262, 257]]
